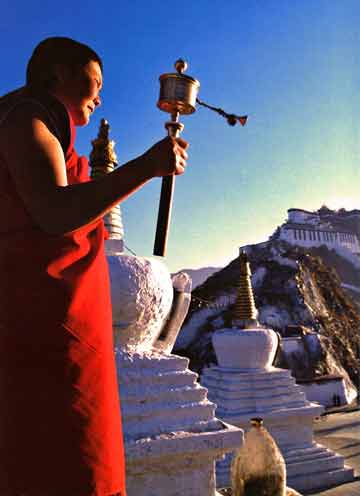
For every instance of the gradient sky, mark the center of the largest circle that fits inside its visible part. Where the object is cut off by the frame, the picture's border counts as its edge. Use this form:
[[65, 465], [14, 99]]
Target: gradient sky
[[291, 65]]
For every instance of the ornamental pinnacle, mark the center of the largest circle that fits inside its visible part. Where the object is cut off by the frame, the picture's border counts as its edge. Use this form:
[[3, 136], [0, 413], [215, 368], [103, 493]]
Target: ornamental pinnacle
[[103, 160], [245, 312], [102, 157]]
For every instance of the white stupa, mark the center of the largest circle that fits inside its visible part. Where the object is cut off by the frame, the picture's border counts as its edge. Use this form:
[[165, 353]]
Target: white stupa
[[172, 437], [246, 385]]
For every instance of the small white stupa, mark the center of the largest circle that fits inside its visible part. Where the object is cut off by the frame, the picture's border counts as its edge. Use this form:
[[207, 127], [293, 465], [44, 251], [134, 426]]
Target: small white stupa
[[172, 437], [246, 385]]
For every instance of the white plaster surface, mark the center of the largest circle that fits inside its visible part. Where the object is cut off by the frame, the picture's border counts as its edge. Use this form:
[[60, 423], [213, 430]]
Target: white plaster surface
[[293, 344], [245, 348], [142, 295], [318, 236], [300, 216], [245, 385], [273, 395], [323, 391], [172, 437]]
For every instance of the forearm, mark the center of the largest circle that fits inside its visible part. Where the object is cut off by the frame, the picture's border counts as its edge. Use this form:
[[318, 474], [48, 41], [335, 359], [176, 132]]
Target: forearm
[[77, 205], [38, 170]]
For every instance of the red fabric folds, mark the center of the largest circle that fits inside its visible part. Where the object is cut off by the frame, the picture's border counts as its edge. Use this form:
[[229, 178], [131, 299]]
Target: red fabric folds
[[60, 425]]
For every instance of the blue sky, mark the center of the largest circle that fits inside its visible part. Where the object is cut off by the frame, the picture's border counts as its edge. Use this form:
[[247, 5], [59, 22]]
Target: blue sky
[[291, 65]]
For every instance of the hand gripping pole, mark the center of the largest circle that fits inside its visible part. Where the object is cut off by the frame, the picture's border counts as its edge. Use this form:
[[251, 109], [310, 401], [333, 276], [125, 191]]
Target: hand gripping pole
[[174, 128]]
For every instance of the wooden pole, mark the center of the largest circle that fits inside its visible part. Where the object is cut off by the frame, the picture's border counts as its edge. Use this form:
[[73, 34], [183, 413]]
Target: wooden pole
[[174, 128]]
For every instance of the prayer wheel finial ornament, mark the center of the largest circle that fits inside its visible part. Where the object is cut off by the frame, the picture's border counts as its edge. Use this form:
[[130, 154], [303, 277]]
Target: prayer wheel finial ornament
[[178, 95]]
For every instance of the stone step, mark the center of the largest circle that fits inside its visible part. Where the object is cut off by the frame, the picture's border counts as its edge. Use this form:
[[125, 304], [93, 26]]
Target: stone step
[[147, 421], [322, 480], [325, 462], [323, 468], [153, 396], [236, 417], [246, 388], [233, 381], [221, 398], [142, 363], [141, 411], [164, 430], [249, 389], [311, 453], [132, 380], [231, 406], [250, 374], [164, 383], [178, 463]]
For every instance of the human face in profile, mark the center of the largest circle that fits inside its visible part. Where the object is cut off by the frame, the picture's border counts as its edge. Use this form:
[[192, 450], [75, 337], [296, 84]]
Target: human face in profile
[[79, 90]]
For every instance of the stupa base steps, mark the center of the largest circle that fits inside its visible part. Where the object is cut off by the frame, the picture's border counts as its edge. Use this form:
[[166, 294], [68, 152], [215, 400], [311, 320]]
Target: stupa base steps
[[238, 393], [178, 463], [160, 395], [232, 390], [308, 468], [273, 395], [172, 437], [230, 378]]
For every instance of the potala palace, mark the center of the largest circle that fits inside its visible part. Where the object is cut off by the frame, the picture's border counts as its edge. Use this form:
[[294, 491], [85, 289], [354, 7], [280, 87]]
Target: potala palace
[[340, 229]]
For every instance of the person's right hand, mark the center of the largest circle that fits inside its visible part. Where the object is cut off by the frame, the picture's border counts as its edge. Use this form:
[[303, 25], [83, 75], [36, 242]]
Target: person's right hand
[[167, 157]]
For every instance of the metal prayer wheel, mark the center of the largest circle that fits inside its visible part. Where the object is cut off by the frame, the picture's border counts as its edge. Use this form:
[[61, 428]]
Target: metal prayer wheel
[[178, 93]]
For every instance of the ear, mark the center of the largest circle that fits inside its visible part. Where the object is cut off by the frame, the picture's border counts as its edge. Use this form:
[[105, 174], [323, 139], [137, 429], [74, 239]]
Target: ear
[[61, 73]]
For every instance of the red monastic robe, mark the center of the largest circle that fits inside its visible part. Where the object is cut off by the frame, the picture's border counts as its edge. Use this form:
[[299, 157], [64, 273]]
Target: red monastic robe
[[60, 425]]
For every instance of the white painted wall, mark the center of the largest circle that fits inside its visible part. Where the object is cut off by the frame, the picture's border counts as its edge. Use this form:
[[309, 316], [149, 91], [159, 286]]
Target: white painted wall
[[323, 392], [310, 238], [300, 216], [292, 345]]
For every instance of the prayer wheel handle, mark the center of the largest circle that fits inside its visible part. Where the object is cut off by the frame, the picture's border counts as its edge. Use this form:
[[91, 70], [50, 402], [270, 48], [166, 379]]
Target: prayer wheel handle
[[178, 94]]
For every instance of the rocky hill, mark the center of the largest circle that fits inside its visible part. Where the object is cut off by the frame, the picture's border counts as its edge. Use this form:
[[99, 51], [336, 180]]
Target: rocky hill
[[314, 289]]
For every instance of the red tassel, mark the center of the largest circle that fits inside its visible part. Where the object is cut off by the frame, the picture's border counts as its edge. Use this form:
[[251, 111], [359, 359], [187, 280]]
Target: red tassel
[[243, 119]]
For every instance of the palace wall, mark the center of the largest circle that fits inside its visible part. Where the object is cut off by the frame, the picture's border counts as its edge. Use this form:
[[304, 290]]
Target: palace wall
[[310, 237]]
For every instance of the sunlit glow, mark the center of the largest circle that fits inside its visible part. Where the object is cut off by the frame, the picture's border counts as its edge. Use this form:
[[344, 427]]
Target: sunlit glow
[[348, 203]]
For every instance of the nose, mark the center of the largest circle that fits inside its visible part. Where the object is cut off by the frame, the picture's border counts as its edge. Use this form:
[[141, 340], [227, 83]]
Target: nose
[[97, 101]]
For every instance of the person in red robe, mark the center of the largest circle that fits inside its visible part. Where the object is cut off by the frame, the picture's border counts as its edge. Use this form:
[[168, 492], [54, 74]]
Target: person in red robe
[[60, 424]]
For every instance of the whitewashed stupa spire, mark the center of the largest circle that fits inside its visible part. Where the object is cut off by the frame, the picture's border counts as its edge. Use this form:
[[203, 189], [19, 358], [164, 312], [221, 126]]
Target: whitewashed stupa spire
[[103, 160]]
